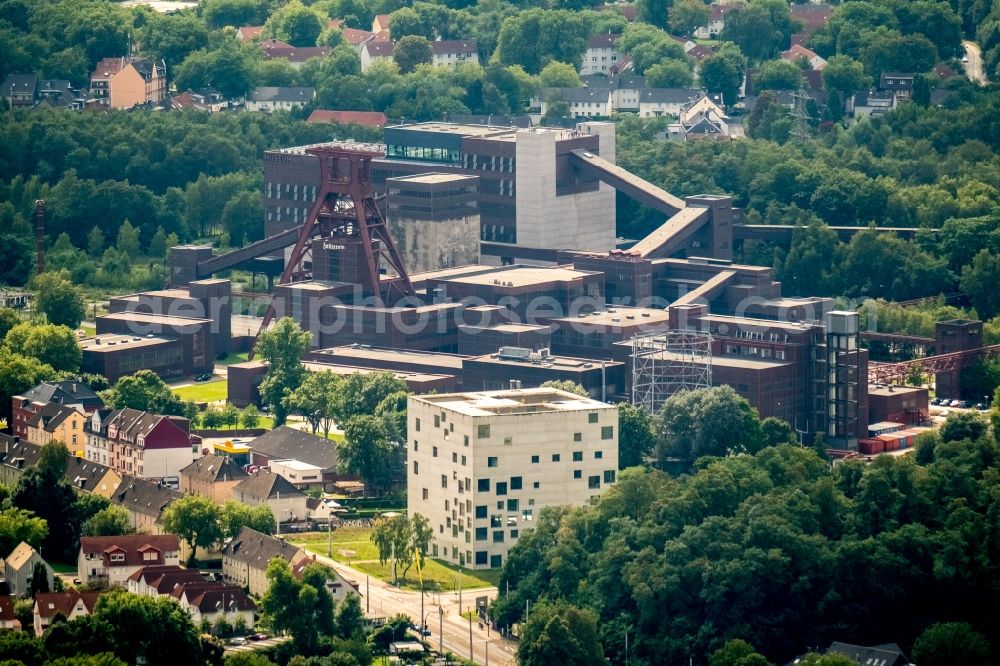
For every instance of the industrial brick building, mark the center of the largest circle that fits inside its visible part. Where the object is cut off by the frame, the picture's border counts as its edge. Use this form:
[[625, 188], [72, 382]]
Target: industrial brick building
[[481, 466], [526, 180]]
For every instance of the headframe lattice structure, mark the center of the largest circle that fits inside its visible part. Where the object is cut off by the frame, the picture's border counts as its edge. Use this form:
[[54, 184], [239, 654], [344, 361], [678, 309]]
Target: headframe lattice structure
[[345, 208], [669, 362]]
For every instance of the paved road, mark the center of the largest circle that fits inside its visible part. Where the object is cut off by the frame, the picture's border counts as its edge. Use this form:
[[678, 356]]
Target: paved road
[[385, 600], [974, 67]]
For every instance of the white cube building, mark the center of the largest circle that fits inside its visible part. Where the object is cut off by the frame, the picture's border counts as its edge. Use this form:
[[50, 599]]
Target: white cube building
[[481, 466]]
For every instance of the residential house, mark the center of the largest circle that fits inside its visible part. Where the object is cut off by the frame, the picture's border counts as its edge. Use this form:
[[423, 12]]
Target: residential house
[[357, 38], [125, 82], [70, 605], [580, 102], [212, 476], [157, 579], [207, 99], [812, 16], [375, 51], [145, 502], [897, 83], [203, 599], [656, 102], [17, 455], [90, 477], [19, 90], [627, 10], [601, 55], [245, 559], [300, 474], [450, 52], [68, 392], [374, 119], [380, 23], [888, 654], [249, 32], [716, 20], [798, 52], [296, 56], [286, 443], [871, 104], [8, 622], [58, 94], [140, 444], [337, 585], [19, 567], [265, 487], [60, 423], [213, 601], [271, 98], [702, 119], [112, 559]]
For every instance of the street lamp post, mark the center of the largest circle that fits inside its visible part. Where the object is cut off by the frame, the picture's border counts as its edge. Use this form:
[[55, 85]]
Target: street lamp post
[[441, 629]]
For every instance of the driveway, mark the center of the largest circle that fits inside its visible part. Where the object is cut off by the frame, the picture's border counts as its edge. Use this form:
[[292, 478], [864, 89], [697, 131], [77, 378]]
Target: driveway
[[974, 67]]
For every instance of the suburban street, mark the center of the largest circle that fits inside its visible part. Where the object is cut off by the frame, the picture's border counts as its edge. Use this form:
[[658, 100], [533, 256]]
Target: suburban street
[[974, 68], [386, 600]]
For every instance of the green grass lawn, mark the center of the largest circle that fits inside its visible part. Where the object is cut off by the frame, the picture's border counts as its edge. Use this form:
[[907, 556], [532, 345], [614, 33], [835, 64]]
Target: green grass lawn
[[437, 575], [204, 392], [233, 358], [89, 331], [63, 567]]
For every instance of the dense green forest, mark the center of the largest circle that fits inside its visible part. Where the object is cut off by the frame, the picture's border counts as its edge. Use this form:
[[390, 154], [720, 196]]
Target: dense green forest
[[774, 548]]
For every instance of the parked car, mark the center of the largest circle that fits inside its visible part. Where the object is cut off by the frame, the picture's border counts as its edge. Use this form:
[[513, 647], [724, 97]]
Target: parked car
[[982, 406], [258, 637], [955, 403], [202, 378], [937, 401], [238, 640]]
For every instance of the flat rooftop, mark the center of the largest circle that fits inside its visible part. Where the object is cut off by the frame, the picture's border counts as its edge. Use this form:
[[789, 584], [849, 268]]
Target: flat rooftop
[[164, 320], [111, 342], [512, 402], [738, 362], [338, 369], [297, 465], [894, 390], [156, 293], [566, 363], [508, 328], [755, 324], [521, 276], [621, 316], [434, 178], [453, 128], [315, 285], [364, 352]]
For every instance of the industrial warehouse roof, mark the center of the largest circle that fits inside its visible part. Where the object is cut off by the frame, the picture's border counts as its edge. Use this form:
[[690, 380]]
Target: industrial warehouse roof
[[113, 342], [154, 319]]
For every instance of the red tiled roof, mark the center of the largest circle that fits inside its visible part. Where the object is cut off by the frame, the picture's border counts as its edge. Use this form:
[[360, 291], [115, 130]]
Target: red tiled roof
[[700, 52], [366, 118], [48, 604], [210, 598], [251, 31], [6, 609], [274, 44], [797, 51], [132, 544], [107, 67], [354, 36]]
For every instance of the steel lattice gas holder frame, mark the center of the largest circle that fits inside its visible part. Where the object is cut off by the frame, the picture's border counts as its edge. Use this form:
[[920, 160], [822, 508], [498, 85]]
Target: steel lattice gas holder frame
[[666, 363]]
